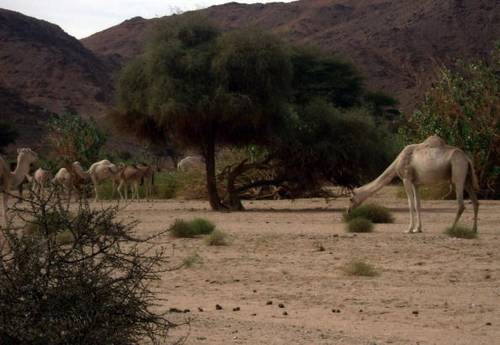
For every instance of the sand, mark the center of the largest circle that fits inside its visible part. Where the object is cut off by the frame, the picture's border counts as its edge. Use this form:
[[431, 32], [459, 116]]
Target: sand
[[431, 289]]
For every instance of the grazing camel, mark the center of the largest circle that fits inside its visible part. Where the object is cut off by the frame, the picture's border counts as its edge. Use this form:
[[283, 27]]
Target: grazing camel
[[9, 180], [430, 162], [101, 171], [133, 175], [40, 179], [64, 179], [148, 174], [191, 163]]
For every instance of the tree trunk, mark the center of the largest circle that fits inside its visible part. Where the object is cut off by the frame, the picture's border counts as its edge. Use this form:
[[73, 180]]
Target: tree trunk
[[213, 195], [233, 196]]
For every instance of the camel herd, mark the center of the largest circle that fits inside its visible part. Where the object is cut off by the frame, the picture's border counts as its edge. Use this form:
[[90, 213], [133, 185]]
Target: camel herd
[[73, 177], [426, 163]]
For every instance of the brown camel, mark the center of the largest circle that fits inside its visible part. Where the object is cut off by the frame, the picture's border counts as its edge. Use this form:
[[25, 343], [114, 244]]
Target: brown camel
[[428, 163], [131, 175]]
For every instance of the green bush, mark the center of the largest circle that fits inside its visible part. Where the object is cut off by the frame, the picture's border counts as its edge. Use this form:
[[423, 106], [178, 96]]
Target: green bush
[[359, 225], [373, 212], [360, 268], [217, 238], [461, 232], [196, 227]]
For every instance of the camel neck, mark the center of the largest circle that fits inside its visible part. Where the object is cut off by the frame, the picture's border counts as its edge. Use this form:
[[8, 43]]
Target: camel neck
[[19, 174], [374, 186]]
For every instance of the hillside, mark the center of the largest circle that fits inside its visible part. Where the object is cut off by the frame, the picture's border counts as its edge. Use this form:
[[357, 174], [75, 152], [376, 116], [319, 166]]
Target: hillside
[[396, 44], [50, 69]]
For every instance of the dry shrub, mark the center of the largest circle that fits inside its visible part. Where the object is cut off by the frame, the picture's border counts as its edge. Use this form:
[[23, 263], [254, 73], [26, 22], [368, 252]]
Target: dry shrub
[[217, 238], [358, 267]]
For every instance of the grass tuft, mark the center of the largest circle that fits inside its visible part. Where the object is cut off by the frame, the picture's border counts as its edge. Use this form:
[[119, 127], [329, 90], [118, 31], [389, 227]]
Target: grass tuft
[[359, 225], [190, 260], [360, 268], [373, 212], [202, 226], [196, 227], [461, 232], [217, 238]]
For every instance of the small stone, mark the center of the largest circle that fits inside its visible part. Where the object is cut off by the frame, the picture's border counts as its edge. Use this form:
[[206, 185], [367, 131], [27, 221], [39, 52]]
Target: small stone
[[174, 310], [281, 305], [415, 312], [254, 314], [488, 323], [487, 276], [187, 311], [236, 309], [200, 309], [269, 302], [361, 310], [218, 307], [254, 291], [285, 313]]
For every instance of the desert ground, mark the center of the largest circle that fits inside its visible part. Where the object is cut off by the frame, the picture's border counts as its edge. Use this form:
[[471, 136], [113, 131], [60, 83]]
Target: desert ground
[[432, 289]]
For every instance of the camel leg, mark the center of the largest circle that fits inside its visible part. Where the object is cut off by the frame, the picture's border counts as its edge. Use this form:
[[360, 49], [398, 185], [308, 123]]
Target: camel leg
[[96, 193], [411, 200], [120, 186], [460, 200], [5, 200], [475, 204], [417, 209]]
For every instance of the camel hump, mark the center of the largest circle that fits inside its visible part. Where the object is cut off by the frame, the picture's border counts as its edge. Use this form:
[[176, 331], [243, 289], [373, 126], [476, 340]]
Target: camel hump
[[434, 141]]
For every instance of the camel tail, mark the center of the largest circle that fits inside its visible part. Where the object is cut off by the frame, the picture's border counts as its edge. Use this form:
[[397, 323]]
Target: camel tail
[[473, 177]]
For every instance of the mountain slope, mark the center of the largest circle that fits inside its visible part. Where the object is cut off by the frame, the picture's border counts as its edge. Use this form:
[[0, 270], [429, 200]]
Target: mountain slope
[[47, 68], [397, 45]]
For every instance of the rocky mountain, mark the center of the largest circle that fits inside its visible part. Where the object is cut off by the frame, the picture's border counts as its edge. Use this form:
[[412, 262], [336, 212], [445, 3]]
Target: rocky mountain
[[50, 69], [397, 44]]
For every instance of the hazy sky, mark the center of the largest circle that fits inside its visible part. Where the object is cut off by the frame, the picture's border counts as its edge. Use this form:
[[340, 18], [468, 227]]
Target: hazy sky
[[81, 18]]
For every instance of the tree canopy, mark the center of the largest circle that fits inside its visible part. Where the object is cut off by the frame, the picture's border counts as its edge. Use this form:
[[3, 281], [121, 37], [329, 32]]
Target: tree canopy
[[204, 88]]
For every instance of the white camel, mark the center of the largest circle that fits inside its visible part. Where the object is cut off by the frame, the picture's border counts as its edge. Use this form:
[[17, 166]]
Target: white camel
[[10, 180], [39, 180], [428, 163], [191, 163], [64, 179], [101, 171]]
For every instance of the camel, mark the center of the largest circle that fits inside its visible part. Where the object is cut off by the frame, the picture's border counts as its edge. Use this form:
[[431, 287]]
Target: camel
[[39, 180], [428, 163], [191, 163], [101, 171], [134, 175], [148, 178], [9, 180], [72, 177]]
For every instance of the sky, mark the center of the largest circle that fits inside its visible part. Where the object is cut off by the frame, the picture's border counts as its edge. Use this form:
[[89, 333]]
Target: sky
[[82, 18]]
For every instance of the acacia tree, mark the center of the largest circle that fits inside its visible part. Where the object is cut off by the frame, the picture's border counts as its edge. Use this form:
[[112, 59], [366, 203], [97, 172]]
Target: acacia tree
[[203, 88]]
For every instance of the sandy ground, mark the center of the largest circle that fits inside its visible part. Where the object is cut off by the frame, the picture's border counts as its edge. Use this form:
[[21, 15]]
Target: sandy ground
[[431, 289]]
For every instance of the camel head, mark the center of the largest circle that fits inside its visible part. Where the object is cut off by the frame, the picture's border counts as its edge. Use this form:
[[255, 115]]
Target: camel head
[[355, 200], [26, 155]]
